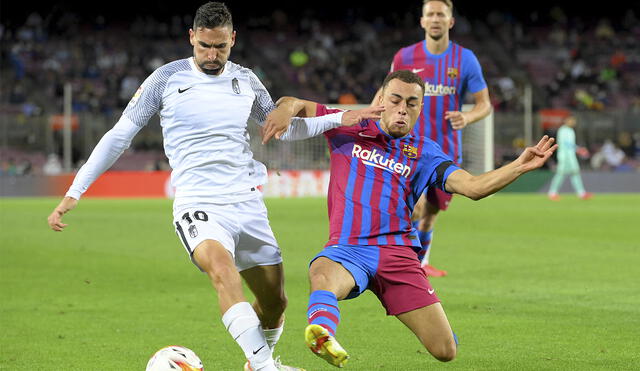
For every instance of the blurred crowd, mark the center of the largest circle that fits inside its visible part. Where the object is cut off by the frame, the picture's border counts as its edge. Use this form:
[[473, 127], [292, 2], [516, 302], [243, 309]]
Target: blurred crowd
[[568, 62]]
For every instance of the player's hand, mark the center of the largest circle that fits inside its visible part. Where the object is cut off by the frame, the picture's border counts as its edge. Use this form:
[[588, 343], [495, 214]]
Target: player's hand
[[534, 157], [350, 118], [55, 219], [458, 119], [583, 152], [277, 123]]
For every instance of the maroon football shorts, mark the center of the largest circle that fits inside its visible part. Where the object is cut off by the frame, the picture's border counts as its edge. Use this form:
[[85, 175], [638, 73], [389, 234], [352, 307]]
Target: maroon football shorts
[[400, 283], [439, 198]]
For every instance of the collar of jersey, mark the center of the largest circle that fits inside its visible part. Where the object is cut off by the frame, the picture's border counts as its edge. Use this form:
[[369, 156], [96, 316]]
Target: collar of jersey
[[426, 50], [195, 69], [391, 137]]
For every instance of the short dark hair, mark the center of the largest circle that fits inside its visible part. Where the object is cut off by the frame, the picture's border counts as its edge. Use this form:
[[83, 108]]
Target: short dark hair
[[404, 76], [448, 3], [212, 15]]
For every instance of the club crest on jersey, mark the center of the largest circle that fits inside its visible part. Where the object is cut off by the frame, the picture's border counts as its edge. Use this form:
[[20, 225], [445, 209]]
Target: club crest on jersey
[[409, 151], [235, 85], [452, 72], [193, 231]]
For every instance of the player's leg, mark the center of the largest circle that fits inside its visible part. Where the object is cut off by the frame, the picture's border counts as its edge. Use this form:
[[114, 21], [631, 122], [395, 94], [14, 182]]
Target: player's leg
[[214, 243], [556, 182], [431, 202], [217, 262], [330, 281], [576, 182], [425, 231], [576, 179], [239, 317], [432, 328], [267, 284], [260, 262], [423, 221], [406, 293], [563, 168]]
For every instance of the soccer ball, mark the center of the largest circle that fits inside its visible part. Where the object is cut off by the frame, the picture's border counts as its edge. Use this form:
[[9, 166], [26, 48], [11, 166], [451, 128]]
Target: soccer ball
[[175, 358]]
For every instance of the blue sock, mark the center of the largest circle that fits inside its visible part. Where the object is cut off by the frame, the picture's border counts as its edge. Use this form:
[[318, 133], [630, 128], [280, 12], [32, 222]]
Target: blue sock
[[425, 241], [323, 310], [455, 338]]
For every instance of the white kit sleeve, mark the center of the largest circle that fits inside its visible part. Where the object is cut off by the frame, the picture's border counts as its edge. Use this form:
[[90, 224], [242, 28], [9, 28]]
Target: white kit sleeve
[[263, 104], [303, 128], [106, 152]]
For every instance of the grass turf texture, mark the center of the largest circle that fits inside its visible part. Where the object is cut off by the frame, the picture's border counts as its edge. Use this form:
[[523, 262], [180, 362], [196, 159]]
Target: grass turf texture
[[532, 285]]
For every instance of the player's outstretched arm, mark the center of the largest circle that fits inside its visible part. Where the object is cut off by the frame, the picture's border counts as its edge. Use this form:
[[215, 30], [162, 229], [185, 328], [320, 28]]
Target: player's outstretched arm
[[477, 187], [303, 128], [282, 124], [55, 219], [279, 119], [105, 153]]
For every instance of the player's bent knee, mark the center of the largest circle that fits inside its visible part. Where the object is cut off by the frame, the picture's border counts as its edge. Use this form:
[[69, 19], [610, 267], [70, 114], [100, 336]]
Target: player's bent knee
[[283, 302], [319, 281], [444, 352], [277, 304]]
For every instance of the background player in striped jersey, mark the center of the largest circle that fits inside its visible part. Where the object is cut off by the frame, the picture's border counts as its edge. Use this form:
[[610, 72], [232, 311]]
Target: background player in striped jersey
[[204, 103], [449, 72], [378, 172]]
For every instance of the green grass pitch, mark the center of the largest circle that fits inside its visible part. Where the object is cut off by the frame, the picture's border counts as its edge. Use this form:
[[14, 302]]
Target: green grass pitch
[[532, 285]]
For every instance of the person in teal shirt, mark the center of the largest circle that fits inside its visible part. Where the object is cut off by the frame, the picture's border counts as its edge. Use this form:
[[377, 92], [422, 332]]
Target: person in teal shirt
[[567, 161]]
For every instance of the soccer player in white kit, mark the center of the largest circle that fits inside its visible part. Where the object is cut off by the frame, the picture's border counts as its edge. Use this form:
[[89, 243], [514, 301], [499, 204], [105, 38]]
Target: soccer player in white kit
[[204, 103]]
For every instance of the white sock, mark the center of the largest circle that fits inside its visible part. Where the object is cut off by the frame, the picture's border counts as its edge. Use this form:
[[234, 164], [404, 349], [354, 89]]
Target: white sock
[[273, 335], [244, 326], [425, 261]]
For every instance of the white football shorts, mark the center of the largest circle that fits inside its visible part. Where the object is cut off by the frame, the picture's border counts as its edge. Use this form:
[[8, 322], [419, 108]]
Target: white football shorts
[[242, 228]]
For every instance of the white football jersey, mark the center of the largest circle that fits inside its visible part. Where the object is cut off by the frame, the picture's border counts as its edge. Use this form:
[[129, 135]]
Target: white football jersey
[[204, 125]]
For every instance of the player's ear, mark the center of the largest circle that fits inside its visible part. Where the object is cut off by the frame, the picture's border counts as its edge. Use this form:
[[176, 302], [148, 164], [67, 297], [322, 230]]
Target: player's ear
[[192, 37], [233, 38], [381, 97], [452, 22], [423, 22]]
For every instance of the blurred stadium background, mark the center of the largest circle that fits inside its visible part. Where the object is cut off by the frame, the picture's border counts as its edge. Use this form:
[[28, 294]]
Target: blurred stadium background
[[541, 62]]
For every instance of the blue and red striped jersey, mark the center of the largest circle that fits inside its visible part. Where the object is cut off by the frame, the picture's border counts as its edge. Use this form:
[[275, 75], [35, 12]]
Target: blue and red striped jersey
[[375, 182], [447, 76]]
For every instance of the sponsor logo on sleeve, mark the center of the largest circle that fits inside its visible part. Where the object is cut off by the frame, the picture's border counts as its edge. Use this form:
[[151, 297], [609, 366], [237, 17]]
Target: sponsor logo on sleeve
[[136, 96]]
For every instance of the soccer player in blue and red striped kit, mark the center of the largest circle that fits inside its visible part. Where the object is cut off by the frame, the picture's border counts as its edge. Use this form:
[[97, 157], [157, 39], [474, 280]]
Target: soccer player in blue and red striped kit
[[449, 71], [378, 172]]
